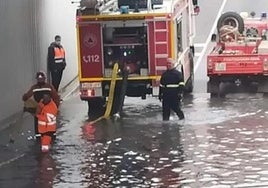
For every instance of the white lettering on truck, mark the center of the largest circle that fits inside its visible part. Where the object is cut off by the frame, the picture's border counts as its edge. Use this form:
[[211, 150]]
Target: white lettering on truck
[[241, 59], [91, 58]]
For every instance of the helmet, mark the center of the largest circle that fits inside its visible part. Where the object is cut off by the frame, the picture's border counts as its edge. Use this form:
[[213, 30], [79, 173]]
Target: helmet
[[40, 74]]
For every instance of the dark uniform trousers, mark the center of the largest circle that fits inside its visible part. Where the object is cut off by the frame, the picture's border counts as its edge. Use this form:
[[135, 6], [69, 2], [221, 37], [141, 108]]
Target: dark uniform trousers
[[56, 76], [171, 102], [171, 87]]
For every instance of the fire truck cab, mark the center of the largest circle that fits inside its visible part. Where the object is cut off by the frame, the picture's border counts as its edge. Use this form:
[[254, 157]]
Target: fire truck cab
[[239, 59], [139, 35]]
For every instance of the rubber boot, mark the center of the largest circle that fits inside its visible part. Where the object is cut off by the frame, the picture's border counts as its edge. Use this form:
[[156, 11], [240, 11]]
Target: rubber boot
[[45, 143]]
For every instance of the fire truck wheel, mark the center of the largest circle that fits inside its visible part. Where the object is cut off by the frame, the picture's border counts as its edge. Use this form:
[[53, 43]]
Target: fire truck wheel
[[222, 90], [96, 107], [233, 19], [213, 95]]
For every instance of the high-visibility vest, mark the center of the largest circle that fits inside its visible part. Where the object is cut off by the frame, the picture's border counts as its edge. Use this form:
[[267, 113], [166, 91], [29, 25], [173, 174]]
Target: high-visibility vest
[[59, 55], [47, 118]]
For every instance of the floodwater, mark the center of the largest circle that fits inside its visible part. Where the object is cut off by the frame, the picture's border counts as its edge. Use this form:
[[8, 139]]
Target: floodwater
[[222, 143]]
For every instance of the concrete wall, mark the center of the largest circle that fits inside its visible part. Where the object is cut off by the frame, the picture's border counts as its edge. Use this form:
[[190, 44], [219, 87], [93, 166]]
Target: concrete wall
[[27, 27]]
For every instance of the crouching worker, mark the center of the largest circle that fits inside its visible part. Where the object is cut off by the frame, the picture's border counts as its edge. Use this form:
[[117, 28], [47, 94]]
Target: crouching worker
[[33, 96], [46, 114]]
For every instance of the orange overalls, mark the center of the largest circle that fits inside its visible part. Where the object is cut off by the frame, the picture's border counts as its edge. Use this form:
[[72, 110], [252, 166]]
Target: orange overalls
[[47, 123]]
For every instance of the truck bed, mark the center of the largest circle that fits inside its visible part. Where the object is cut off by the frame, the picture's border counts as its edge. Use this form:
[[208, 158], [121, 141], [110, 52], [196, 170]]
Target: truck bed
[[235, 59]]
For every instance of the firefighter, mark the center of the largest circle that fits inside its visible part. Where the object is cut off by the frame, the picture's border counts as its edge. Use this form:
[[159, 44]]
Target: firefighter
[[171, 89], [46, 114], [56, 61], [37, 91]]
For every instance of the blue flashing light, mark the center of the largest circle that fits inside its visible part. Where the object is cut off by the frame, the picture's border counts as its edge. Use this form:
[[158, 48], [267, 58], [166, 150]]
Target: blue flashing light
[[124, 9]]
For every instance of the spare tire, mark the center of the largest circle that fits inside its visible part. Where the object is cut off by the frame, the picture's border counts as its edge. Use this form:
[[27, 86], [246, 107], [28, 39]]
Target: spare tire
[[233, 19]]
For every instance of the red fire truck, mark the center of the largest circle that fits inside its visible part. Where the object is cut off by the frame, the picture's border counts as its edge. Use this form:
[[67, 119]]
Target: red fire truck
[[139, 35], [239, 60]]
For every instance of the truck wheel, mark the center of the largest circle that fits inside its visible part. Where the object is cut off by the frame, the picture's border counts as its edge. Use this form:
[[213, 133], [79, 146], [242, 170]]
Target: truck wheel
[[96, 107], [220, 94], [222, 91], [233, 19], [213, 87], [213, 95]]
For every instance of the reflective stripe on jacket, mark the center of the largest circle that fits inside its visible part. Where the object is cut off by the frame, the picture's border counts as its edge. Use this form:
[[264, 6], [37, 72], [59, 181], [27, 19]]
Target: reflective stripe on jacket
[[172, 85], [47, 117], [37, 91], [41, 89], [59, 55]]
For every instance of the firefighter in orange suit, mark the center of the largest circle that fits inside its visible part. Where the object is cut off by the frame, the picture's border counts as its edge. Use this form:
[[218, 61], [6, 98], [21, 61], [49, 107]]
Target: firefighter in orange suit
[[56, 61], [46, 114], [37, 91], [171, 88]]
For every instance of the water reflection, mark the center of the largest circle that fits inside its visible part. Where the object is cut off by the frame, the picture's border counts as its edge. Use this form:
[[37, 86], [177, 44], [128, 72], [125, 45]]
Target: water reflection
[[131, 162], [222, 143], [47, 171]]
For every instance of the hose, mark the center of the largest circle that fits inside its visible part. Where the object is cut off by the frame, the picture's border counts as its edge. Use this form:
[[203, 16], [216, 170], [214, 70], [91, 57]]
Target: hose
[[228, 33], [123, 92], [110, 97], [111, 92]]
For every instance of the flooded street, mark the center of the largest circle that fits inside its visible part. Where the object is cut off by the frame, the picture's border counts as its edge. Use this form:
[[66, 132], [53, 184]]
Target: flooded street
[[222, 143]]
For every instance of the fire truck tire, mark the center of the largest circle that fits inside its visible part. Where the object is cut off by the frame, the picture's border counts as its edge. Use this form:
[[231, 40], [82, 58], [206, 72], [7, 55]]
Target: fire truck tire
[[215, 88], [220, 94], [222, 90], [96, 107], [232, 18], [213, 95], [263, 86]]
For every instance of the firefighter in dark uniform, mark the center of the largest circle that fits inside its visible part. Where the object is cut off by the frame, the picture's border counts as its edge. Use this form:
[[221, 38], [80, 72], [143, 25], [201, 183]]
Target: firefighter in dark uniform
[[171, 89]]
